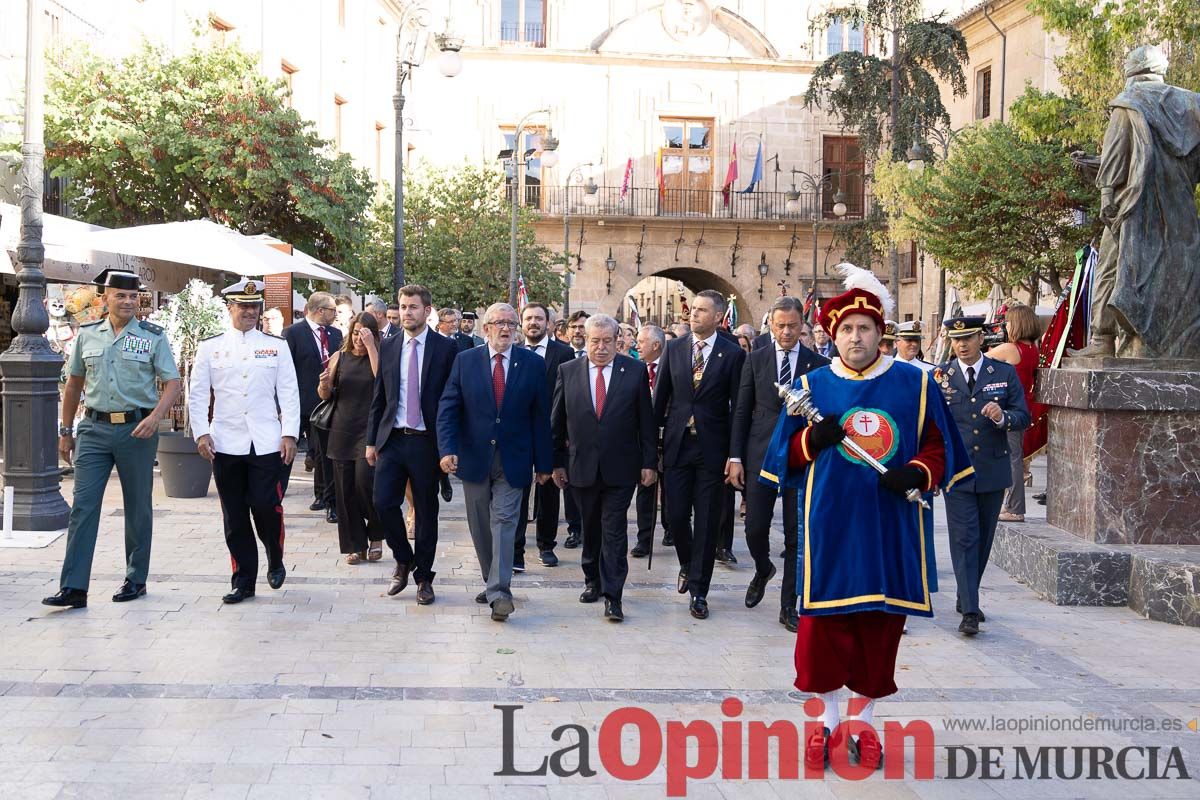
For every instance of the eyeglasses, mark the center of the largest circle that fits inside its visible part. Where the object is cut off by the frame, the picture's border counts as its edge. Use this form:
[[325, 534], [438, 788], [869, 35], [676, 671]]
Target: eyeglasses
[[503, 323], [326, 308]]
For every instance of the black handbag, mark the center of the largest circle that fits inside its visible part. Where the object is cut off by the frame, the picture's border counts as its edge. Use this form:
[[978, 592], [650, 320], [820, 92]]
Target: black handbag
[[322, 415]]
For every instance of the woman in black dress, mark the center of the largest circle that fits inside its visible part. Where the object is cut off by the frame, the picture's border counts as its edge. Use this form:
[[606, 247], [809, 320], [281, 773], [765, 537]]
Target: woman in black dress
[[351, 375]]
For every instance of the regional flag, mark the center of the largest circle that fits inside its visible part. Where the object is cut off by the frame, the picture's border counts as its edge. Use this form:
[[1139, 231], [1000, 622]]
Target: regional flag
[[756, 176], [731, 175]]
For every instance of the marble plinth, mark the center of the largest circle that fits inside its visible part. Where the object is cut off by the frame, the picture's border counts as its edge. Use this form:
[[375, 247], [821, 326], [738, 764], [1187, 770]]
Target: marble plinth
[[1124, 450], [1160, 582]]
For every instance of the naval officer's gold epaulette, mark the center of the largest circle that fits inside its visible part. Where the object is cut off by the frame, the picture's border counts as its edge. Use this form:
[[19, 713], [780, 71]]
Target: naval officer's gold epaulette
[[150, 326]]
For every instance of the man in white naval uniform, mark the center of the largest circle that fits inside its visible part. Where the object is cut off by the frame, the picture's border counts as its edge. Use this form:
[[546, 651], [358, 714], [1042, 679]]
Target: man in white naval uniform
[[908, 345], [252, 434]]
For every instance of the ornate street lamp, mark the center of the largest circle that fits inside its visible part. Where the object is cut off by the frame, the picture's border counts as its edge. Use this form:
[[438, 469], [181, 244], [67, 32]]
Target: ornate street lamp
[[412, 39], [763, 269], [610, 264], [549, 157], [567, 235]]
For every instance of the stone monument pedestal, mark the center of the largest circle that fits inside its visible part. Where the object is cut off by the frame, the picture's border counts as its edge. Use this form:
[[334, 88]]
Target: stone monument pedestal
[[1123, 490]]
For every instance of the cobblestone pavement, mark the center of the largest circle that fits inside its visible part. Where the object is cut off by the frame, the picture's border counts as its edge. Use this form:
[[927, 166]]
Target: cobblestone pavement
[[330, 689]]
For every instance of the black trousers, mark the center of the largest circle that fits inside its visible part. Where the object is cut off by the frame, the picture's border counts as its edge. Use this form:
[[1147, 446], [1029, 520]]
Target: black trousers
[[409, 459], [728, 513], [322, 467], [971, 519], [572, 511], [249, 487], [605, 521], [354, 488], [695, 503], [545, 515], [760, 512], [651, 503]]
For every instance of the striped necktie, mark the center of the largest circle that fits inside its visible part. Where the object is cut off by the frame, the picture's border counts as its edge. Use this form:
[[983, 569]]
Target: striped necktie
[[785, 369], [698, 365]]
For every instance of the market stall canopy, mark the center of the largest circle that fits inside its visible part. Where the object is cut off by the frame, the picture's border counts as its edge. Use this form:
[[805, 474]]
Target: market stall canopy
[[310, 266], [70, 259]]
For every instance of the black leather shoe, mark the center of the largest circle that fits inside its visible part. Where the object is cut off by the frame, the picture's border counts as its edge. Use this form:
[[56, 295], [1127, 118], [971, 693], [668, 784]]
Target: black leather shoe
[[668, 540], [399, 579], [447, 489], [237, 596], [788, 619], [639, 552], [519, 566], [612, 610], [590, 595], [699, 608], [502, 608], [726, 556], [481, 598], [681, 582], [67, 598], [316, 505], [958, 610], [425, 594], [331, 516], [572, 541], [969, 625], [548, 558], [758, 587], [1040, 497], [276, 577], [129, 591]]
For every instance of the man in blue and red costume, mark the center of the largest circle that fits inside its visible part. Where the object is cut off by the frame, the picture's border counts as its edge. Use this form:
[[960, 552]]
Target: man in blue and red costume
[[867, 560]]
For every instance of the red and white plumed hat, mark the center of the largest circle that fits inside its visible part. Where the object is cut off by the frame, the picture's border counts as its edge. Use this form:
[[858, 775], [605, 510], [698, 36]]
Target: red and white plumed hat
[[864, 294]]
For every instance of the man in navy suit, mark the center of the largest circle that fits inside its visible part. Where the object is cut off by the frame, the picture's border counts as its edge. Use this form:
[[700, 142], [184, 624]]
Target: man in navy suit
[[693, 402], [783, 361], [494, 456], [312, 341], [605, 445], [535, 324], [987, 402], [413, 369]]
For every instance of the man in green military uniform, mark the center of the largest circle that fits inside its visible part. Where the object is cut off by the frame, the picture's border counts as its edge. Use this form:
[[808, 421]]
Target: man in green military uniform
[[115, 363]]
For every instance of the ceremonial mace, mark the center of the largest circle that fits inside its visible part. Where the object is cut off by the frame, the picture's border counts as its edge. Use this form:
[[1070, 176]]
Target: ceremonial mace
[[801, 403]]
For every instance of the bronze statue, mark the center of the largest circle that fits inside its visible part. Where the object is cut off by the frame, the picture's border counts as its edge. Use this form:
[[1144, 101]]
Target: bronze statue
[[1147, 282]]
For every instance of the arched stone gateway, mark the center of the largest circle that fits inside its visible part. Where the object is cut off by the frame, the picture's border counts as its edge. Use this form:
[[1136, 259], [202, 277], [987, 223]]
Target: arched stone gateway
[[657, 295]]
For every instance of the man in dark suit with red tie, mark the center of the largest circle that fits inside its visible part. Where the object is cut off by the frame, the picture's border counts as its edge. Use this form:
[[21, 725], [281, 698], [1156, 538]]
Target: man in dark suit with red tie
[[311, 342], [693, 402], [754, 420], [535, 324], [604, 446], [401, 438], [651, 340]]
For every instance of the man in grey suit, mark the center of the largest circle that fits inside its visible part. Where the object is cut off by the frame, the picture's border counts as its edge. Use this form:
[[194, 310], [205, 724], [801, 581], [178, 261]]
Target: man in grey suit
[[987, 402]]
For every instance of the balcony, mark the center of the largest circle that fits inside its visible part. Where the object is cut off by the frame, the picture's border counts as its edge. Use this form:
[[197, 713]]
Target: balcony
[[530, 34], [686, 204]]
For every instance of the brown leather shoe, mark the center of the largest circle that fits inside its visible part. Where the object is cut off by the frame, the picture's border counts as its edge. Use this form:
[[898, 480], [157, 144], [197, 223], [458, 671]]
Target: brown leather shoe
[[425, 594], [399, 579]]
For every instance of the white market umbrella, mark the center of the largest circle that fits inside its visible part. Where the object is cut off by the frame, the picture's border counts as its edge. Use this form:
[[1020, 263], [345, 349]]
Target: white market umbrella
[[201, 243], [310, 266]]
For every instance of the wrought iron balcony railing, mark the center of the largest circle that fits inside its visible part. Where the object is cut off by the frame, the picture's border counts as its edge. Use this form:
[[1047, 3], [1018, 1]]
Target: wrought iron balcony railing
[[609, 201]]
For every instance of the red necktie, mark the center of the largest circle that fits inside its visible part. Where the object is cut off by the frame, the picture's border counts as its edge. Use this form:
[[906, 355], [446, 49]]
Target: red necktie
[[653, 375], [324, 335], [599, 391], [498, 380]]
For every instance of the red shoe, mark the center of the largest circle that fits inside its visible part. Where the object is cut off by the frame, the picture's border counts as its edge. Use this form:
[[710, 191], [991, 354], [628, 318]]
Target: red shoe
[[865, 750], [816, 750]]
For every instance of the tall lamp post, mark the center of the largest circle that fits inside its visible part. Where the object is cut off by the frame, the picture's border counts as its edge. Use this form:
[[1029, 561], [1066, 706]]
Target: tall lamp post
[[917, 155], [29, 368], [578, 170], [815, 184], [412, 40], [549, 160]]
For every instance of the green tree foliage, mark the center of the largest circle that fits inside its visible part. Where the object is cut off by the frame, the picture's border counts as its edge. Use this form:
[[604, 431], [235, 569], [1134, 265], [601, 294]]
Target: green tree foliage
[[1001, 209], [900, 89], [457, 223], [159, 138], [1100, 35]]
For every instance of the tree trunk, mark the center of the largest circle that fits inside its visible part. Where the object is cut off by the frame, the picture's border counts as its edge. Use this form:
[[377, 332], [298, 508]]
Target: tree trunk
[[896, 155]]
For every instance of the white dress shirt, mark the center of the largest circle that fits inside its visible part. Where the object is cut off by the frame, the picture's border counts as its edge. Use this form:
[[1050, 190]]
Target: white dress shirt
[[253, 381], [709, 343], [780, 355], [540, 346], [606, 371], [977, 366], [405, 357]]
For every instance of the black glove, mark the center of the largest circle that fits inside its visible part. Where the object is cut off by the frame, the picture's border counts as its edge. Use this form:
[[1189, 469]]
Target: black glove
[[826, 433], [901, 479]]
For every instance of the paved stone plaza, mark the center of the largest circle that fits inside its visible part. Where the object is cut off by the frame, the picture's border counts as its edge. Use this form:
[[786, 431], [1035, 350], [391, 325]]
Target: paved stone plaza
[[330, 689]]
